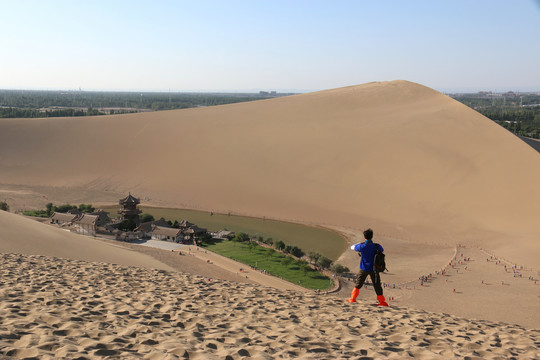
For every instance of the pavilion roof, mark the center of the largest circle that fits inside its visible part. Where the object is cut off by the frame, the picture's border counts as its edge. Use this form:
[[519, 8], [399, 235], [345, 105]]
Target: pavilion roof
[[129, 200]]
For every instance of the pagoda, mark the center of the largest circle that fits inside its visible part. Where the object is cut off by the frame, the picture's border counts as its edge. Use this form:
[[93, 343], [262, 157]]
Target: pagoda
[[129, 211]]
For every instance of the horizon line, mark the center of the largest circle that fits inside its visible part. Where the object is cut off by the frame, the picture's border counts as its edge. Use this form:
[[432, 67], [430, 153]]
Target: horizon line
[[259, 90]]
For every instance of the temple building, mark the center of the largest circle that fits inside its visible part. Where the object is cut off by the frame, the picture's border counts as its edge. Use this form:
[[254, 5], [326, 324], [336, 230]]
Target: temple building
[[86, 224], [129, 211]]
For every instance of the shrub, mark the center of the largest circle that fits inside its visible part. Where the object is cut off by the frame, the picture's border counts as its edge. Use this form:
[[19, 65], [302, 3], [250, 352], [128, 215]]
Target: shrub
[[4, 206], [296, 251], [324, 262], [280, 245], [64, 208], [128, 225], [49, 208], [340, 269], [314, 257], [147, 217], [86, 208], [36, 213], [241, 237]]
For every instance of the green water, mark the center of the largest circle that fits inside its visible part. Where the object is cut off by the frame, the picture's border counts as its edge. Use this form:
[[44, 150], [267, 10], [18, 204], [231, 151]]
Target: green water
[[325, 242]]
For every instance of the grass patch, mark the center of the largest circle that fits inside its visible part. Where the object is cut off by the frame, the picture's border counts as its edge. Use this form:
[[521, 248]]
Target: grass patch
[[273, 262], [307, 238], [36, 213]]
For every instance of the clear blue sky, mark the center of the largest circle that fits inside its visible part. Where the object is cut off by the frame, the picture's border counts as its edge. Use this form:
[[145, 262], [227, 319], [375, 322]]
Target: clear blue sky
[[289, 45]]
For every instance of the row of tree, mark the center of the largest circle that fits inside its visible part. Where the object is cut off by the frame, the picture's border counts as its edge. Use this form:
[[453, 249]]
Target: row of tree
[[26, 103], [11, 112], [50, 208], [315, 258], [519, 114], [510, 99]]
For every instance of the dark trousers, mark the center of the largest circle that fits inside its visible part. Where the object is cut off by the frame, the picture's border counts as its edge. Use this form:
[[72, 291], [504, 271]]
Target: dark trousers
[[375, 279]]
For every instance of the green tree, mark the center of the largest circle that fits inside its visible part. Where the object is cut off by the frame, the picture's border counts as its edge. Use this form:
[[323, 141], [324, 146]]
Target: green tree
[[324, 262], [296, 251], [147, 217], [64, 208], [314, 257], [128, 225], [86, 208], [241, 237], [339, 269], [49, 208], [280, 245], [4, 206]]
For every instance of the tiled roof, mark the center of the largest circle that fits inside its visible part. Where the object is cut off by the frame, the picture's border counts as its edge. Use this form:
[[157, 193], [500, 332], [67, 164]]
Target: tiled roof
[[194, 229], [129, 200], [147, 226], [87, 219], [159, 230], [63, 217]]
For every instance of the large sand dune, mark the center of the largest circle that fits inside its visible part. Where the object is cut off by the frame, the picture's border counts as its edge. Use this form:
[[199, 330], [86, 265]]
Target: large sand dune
[[398, 156]]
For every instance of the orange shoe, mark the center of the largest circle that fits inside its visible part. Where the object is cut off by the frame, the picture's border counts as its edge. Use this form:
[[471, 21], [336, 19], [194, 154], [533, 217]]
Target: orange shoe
[[354, 295], [382, 300]]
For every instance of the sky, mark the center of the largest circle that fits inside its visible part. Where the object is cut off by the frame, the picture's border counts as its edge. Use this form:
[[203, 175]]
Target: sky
[[287, 46]]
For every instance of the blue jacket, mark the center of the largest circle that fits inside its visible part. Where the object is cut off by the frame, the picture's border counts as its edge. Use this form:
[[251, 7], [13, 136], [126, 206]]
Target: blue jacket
[[367, 249]]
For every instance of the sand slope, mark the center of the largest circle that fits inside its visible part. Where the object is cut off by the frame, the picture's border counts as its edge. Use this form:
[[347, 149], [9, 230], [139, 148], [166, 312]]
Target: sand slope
[[398, 156], [24, 236], [52, 308]]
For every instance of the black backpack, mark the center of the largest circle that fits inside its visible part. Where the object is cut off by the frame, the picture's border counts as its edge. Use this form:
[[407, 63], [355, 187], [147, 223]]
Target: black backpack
[[379, 262]]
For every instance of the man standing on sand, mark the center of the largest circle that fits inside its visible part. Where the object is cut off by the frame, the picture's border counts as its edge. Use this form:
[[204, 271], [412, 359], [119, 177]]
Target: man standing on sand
[[367, 250]]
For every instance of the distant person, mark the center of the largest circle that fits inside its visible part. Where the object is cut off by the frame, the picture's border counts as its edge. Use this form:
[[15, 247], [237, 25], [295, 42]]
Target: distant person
[[367, 252]]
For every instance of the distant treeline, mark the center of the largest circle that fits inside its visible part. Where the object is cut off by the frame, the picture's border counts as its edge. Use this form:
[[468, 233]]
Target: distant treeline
[[33, 113], [518, 113], [27, 103]]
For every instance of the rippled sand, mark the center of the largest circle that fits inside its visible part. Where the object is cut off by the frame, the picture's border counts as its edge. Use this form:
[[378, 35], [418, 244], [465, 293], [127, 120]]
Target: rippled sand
[[53, 307]]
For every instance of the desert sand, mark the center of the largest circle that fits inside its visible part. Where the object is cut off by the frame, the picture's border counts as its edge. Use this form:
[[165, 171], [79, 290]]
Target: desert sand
[[437, 181], [75, 309], [397, 156], [21, 235]]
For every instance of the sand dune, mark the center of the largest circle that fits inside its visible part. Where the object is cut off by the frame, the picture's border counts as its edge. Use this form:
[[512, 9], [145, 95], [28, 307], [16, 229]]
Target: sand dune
[[398, 156], [25, 236], [425, 171], [54, 308]]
